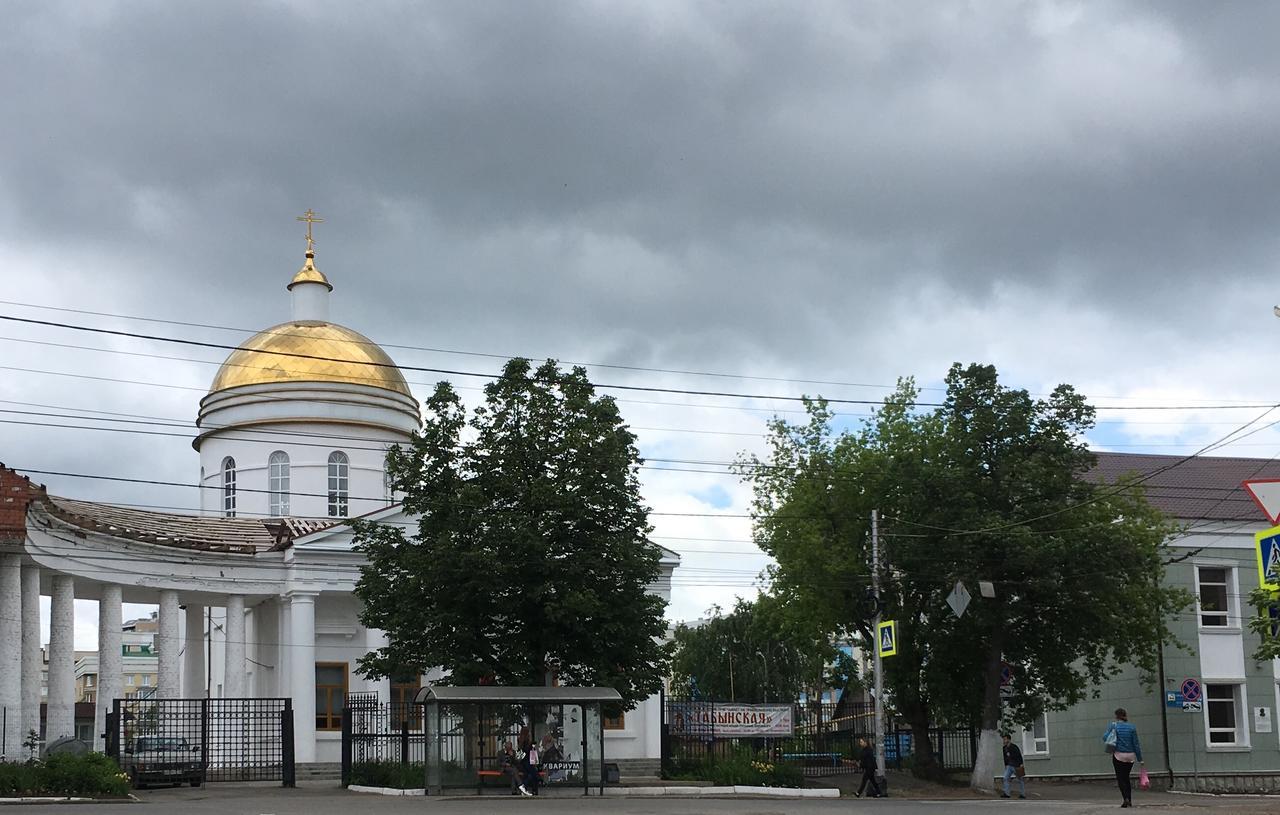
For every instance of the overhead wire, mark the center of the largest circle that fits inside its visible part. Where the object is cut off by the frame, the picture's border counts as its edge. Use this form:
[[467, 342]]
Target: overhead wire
[[490, 355], [488, 376]]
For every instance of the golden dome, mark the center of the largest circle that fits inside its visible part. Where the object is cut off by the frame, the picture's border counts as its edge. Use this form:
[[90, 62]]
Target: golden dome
[[309, 274], [343, 356]]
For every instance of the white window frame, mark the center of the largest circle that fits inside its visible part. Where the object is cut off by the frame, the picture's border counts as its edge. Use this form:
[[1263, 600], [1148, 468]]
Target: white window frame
[[229, 487], [339, 484], [278, 484], [1231, 615], [1029, 740], [1240, 701]]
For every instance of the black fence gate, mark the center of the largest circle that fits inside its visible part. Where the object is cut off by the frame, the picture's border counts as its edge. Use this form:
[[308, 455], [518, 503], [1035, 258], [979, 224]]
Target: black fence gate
[[375, 732], [232, 739]]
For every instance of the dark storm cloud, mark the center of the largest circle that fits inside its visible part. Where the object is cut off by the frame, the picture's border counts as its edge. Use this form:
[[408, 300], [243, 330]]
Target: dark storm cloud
[[1079, 191], [735, 171]]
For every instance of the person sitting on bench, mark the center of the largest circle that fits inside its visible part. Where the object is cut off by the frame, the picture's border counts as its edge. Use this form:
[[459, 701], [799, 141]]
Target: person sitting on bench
[[510, 766]]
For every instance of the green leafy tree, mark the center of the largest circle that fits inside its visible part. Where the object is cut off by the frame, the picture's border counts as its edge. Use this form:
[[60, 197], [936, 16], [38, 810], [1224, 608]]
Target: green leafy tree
[[990, 486], [1264, 625], [531, 554], [755, 653]]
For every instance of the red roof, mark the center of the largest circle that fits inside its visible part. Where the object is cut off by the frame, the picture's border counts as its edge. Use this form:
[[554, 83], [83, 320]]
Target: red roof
[[1204, 488]]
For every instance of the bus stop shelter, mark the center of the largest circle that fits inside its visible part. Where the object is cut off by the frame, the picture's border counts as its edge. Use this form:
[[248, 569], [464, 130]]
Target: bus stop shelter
[[466, 728]]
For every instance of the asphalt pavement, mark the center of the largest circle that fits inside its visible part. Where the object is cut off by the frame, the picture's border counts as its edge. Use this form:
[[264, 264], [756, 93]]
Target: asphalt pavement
[[323, 798]]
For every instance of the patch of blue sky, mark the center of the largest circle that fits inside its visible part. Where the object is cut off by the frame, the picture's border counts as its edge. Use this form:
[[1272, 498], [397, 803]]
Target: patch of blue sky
[[714, 496]]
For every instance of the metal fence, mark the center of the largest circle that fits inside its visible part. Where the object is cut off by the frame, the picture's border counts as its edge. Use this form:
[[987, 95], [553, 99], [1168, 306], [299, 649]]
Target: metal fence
[[953, 748], [381, 732], [234, 739], [825, 740]]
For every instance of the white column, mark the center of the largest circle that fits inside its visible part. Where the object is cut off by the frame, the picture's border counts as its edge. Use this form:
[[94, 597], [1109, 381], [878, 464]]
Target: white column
[[233, 666], [11, 655], [60, 721], [302, 674], [193, 686], [167, 646], [252, 653], [284, 681], [266, 637], [32, 661], [110, 660], [373, 640]]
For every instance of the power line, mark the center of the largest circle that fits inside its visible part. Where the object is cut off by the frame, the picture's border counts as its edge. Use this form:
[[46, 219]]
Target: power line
[[420, 368], [733, 465], [266, 398], [610, 366], [489, 355], [603, 386]]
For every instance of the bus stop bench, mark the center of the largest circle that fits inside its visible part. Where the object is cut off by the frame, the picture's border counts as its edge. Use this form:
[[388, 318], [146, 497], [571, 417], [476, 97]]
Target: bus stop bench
[[483, 774]]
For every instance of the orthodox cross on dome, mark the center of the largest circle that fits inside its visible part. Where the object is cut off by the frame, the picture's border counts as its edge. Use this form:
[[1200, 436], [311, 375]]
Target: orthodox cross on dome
[[310, 218]]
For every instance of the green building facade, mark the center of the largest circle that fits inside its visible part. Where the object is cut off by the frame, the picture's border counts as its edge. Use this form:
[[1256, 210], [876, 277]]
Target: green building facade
[[1231, 743]]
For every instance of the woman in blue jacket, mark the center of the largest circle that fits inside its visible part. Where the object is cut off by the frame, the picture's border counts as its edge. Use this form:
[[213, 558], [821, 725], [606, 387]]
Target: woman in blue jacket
[[1125, 750]]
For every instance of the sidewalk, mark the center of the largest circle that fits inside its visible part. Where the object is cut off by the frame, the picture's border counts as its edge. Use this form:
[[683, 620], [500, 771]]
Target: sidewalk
[[903, 785]]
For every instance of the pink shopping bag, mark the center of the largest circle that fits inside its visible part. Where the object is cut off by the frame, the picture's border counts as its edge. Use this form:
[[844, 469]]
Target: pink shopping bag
[[1144, 780]]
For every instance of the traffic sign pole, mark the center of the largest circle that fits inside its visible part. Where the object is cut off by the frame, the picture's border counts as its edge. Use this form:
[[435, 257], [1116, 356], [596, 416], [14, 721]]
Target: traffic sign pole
[[875, 585], [1191, 690]]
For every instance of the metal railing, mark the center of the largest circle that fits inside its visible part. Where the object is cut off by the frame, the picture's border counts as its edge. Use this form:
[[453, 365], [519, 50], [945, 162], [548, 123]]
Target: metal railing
[[233, 739]]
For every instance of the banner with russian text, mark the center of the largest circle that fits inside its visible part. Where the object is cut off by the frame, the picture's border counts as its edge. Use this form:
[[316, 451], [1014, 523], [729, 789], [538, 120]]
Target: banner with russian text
[[730, 719]]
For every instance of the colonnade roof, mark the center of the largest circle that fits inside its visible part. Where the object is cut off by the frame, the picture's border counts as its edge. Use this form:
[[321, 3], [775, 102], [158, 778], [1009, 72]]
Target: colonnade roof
[[203, 532]]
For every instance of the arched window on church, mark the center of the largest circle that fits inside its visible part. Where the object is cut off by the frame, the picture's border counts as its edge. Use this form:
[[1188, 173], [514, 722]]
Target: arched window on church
[[229, 487], [339, 483], [278, 484]]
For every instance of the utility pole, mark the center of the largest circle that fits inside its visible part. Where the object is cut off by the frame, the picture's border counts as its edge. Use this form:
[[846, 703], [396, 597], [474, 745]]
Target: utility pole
[[875, 642]]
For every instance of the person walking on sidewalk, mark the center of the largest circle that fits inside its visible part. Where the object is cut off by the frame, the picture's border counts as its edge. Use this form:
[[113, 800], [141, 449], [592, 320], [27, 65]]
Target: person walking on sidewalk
[[1013, 768], [867, 760], [1121, 740]]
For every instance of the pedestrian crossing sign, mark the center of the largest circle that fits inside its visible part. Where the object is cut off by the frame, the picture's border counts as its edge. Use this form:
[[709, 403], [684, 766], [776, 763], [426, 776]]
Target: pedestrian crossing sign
[[888, 635], [1269, 558]]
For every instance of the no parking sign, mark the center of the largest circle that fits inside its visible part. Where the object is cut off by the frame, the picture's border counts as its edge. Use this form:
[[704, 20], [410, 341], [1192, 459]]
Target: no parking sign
[[1191, 693]]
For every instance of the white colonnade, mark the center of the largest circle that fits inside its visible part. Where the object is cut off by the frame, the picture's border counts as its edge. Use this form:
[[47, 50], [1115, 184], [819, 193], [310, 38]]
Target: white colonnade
[[22, 660]]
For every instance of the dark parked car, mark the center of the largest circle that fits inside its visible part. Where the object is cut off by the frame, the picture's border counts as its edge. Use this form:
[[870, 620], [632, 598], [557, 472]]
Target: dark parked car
[[163, 759]]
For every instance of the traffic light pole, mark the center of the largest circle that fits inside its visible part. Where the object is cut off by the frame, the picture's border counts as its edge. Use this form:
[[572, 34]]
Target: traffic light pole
[[875, 642]]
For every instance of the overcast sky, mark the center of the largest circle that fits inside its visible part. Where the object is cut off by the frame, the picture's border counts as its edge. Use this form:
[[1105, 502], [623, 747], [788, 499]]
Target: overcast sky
[[846, 192]]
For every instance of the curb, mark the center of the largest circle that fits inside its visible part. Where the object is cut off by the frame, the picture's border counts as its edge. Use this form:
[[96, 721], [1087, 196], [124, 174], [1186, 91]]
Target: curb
[[698, 792], [652, 792], [1225, 794], [387, 790]]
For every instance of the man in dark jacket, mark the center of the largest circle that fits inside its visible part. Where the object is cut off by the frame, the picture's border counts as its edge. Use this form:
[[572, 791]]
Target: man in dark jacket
[[1013, 767], [867, 761]]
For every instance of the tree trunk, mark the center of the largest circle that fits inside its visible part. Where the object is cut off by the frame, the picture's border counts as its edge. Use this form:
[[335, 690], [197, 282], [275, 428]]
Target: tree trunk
[[925, 761], [987, 763]]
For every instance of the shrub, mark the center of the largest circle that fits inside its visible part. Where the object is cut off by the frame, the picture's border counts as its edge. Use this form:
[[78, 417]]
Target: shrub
[[391, 774], [91, 774], [742, 767], [17, 780]]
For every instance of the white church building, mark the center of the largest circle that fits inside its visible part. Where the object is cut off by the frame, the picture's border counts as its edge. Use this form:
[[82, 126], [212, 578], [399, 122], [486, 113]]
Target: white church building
[[288, 447]]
